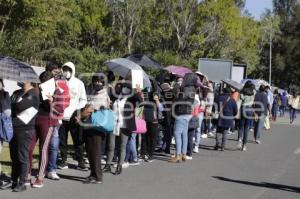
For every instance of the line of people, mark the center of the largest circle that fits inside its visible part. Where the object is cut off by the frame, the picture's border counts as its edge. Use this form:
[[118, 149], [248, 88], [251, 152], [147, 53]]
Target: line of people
[[184, 108]]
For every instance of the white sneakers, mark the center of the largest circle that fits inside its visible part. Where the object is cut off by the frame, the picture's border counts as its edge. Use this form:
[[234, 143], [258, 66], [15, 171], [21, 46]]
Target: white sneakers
[[196, 150], [204, 136], [53, 176], [189, 157]]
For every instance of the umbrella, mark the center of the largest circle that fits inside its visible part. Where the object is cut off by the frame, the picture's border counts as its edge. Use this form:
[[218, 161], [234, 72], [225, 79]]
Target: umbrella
[[179, 71], [13, 69], [233, 84], [256, 82], [122, 67], [144, 60]]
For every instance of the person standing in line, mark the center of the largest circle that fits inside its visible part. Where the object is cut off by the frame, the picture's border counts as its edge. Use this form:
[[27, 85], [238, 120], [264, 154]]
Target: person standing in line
[[270, 102], [293, 105], [5, 105], [261, 107], [275, 105], [227, 108], [25, 99], [284, 103], [98, 99], [246, 112], [77, 102]]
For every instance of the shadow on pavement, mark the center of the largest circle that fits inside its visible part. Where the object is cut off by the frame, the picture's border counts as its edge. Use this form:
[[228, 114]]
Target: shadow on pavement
[[73, 178], [262, 184]]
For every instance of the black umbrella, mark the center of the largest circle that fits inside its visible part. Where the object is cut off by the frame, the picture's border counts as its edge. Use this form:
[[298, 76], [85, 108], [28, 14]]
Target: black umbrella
[[144, 60], [13, 69]]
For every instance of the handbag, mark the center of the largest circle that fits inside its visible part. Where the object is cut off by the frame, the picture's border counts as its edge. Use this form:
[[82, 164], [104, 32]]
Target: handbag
[[103, 120], [141, 126], [6, 128]]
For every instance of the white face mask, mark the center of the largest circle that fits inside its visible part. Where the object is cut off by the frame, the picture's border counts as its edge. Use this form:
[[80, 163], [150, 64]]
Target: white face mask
[[68, 74], [125, 91]]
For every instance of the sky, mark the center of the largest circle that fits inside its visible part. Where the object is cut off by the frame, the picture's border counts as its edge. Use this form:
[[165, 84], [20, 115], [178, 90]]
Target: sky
[[257, 7]]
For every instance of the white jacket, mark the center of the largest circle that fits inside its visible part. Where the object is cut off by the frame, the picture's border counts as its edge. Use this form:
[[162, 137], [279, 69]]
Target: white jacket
[[77, 93]]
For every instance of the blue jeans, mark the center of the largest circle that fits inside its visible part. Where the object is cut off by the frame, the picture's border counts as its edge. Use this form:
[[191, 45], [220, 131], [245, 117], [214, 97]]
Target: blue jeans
[[258, 126], [245, 123], [53, 150], [181, 133], [131, 153], [198, 132], [292, 114]]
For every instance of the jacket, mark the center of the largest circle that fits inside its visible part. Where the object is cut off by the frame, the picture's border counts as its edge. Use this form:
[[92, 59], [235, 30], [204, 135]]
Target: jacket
[[21, 102], [98, 99], [261, 103], [227, 108], [184, 102], [294, 102], [77, 94]]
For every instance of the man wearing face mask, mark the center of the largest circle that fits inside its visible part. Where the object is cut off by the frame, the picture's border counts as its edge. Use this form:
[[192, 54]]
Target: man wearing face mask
[[78, 101]]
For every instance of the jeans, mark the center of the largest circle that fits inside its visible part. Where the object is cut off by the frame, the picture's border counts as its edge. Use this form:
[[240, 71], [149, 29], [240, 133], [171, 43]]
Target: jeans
[[244, 126], [131, 153], [292, 114], [274, 111], [53, 150], [282, 111], [117, 143], [258, 126], [181, 133], [198, 132]]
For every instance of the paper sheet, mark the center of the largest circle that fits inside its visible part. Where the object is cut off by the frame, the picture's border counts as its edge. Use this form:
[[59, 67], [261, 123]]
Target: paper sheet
[[48, 88], [137, 78], [27, 115]]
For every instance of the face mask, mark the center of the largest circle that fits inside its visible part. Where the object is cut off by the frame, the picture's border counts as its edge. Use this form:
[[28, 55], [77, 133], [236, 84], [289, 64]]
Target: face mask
[[67, 74], [20, 84], [98, 87], [125, 91]]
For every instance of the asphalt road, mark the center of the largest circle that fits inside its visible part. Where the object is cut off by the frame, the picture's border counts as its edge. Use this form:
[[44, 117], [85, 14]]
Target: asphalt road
[[266, 171]]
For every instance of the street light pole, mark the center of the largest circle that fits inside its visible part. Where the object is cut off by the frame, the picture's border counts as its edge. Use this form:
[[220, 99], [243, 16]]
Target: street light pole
[[270, 62]]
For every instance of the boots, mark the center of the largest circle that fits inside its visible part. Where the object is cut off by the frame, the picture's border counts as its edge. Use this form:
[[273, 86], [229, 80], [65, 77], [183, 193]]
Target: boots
[[107, 168], [118, 170], [183, 158], [176, 159]]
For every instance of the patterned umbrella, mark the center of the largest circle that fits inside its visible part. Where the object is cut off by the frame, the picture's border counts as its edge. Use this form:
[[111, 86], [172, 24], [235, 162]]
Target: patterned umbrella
[[13, 69], [179, 71]]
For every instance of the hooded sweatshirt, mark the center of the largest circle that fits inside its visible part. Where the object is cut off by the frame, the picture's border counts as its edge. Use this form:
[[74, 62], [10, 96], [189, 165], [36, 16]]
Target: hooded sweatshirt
[[77, 93]]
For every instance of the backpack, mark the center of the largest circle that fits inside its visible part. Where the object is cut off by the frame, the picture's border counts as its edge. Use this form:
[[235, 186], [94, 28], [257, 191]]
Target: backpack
[[6, 127]]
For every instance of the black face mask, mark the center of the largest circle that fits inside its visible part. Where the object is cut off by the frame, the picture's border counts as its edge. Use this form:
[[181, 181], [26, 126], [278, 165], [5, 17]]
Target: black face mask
[[98, 87], [20, 84]]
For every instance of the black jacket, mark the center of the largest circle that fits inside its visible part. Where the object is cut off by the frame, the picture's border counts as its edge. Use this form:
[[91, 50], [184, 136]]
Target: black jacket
[[184, 103], [19, 103]]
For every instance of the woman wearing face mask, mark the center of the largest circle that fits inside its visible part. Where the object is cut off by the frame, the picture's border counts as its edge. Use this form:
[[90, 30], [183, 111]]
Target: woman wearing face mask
[[97, 99], [22, 99], [124, 108]]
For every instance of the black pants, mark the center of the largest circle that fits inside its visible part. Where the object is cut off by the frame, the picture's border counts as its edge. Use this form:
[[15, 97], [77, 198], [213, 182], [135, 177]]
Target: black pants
[[149, 139], [191, 134], [19, 148], [78, 141], [93, 149], [168, 134], [221, 132]]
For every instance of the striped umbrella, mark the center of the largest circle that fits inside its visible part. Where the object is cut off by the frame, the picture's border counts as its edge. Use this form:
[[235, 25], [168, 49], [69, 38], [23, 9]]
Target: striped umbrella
[[13, 69]]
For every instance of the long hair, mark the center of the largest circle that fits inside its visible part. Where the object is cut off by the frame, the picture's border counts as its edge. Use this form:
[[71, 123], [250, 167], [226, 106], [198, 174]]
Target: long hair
[[248, 88]]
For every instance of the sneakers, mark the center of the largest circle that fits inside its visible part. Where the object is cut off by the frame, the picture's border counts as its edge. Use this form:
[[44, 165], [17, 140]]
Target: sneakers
[[257, 142], [134, 163], [103, 161], [19, 188], [204, 136], [63, 166], [196, 150], [28, 183], [92, 180], [149, 159], [38, 184], [244, 148], [210, 134], [125, 165], [239, 146], [53, 175], [81, 166], [188, 157]]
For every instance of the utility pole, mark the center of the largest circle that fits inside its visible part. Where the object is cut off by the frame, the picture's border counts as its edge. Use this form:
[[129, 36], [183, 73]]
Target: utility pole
[[270, 67]]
